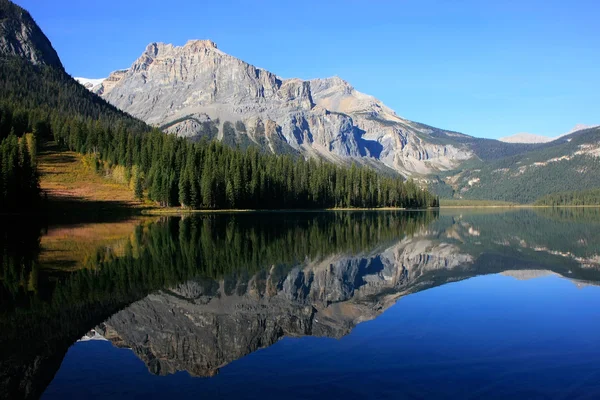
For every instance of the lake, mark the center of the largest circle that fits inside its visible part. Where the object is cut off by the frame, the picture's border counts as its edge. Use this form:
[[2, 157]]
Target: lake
[[396, 304]]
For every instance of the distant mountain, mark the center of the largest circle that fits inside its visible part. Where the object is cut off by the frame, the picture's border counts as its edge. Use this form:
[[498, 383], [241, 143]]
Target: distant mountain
[[531, 138], [90, 83], [578, 127], [21, 36], [569, 163], [526, 138]]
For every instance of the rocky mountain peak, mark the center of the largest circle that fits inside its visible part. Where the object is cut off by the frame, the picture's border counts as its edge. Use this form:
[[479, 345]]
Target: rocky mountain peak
[[21, 36], [200, 44], [196, 89], [159, 49], [333, 82]]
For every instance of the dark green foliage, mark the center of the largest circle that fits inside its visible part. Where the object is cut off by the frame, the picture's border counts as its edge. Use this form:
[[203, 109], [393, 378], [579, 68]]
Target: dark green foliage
[[36, 94], [578, 198], [215, 176], [138, 187], [19, 185], [176, 169], [49, 103]]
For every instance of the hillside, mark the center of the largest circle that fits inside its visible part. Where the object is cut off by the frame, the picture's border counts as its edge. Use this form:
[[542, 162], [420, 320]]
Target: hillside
[[568, 164], [21, 36], [72, 185]]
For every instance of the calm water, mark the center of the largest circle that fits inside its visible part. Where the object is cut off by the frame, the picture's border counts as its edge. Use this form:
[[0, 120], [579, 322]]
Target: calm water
[[457, 304]]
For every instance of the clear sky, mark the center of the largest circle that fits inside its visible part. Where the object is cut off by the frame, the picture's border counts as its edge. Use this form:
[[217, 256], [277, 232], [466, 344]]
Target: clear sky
[[485, 68]]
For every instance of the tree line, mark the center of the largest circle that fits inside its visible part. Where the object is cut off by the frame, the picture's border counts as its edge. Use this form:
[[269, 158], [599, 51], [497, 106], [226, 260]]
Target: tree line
[[589, 197], [19, 185], [209, 175]]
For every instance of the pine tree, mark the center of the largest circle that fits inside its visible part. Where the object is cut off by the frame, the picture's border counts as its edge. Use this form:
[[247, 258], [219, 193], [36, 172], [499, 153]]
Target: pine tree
[[138, 186], [185, 189]]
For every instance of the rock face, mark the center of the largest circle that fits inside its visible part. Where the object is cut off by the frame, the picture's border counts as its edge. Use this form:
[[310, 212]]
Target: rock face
[[20, 36], [200, 326], [182, 89]]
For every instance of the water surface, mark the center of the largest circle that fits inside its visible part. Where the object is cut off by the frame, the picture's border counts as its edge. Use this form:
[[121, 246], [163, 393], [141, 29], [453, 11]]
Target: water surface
[[462, 304]]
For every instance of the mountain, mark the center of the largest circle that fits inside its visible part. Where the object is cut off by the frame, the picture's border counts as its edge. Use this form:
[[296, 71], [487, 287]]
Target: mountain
[[34, 84], [197, 90], [173, 171], [526, 138], [577, 128], [567, 164], [21, 36], [90, 83], [531, 138]]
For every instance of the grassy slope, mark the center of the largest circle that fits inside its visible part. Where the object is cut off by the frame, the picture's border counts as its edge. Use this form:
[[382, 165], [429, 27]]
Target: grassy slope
[[72, 188], [66, 179]]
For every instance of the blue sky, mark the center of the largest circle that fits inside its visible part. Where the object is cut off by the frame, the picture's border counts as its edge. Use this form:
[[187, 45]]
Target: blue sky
[[485, 68]]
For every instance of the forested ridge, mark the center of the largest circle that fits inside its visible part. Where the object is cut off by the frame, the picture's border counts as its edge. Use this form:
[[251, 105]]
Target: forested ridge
[[173, 171], [19, 184], [566, 164]]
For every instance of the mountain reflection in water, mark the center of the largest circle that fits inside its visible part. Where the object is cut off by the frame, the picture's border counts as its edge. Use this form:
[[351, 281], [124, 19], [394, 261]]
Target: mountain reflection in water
[[197, 293]]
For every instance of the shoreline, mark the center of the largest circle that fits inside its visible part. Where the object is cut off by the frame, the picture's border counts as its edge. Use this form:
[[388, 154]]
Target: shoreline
[[522, 206], [176, 210], [145, 210]]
